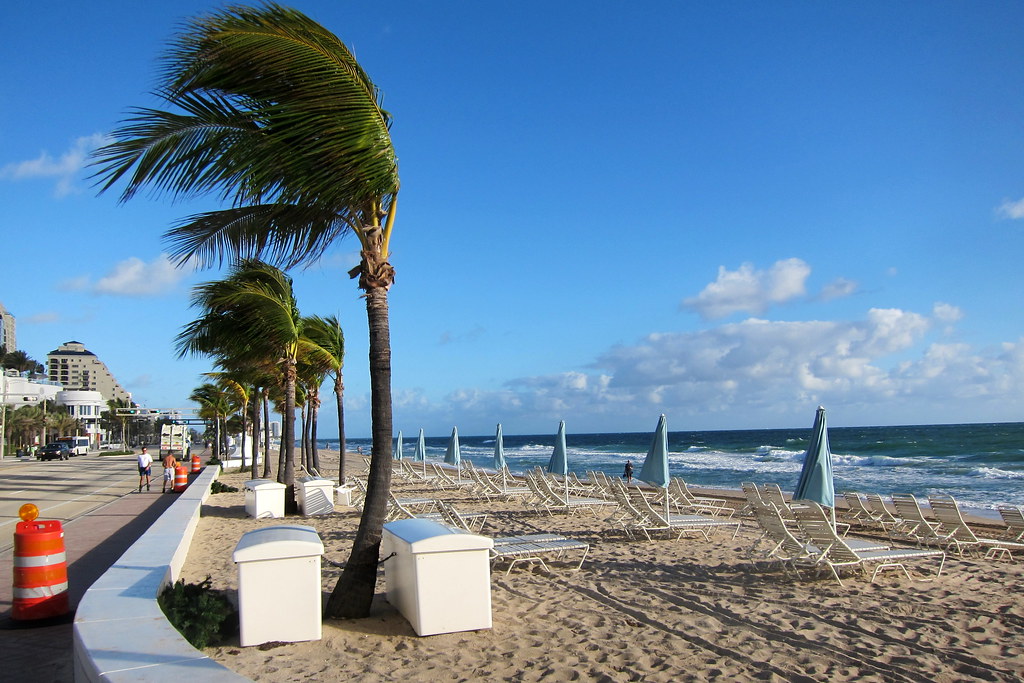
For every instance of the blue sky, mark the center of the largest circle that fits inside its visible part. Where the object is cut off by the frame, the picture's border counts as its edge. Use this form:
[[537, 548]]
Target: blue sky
[[726, 212]]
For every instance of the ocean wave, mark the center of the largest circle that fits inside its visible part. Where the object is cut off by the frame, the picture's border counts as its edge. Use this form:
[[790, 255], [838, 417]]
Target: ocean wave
[[996, 473]]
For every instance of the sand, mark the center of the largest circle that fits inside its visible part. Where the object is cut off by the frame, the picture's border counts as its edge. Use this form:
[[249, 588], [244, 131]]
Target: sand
[[665, 610]]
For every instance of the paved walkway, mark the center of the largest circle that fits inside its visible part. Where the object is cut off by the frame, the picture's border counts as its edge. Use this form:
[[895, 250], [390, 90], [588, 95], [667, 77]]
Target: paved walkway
[[42, 652]]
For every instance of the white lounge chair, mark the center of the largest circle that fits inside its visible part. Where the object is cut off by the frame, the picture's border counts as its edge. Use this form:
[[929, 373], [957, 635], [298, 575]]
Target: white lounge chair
[[961, 536], [836, 553]]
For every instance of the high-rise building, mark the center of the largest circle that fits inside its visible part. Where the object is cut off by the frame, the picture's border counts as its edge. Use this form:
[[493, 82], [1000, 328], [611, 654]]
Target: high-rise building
[[77, 368], [8, 329]]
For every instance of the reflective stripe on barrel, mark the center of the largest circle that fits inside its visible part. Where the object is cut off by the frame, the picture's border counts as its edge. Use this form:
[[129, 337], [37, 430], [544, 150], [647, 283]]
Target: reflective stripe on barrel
[[40, 571], [196, 466]]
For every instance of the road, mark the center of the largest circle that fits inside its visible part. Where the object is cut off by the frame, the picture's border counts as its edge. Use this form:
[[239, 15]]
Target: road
[[63, 489]]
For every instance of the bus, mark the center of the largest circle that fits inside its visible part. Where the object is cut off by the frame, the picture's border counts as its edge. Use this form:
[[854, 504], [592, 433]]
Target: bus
[[78, 445]]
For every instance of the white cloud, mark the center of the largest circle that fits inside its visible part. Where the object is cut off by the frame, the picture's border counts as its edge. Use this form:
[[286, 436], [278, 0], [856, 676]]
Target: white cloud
[[45, 318], [838, 289], [65, 168], [750, 291], [947, 313], [132, 277], [880, 368], [1010, 209]]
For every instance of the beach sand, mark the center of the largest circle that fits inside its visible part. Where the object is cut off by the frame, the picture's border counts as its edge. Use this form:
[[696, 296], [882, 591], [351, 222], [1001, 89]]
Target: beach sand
[[665, 610]]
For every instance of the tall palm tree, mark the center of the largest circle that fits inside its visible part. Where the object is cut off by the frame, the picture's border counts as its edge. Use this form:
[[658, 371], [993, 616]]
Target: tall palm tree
[[327, 334], [270, 111], [213, 405]]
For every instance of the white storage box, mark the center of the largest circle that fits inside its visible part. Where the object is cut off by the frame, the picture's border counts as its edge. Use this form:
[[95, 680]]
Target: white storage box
[[315, 495], [264, 498], [279, 595], [439, 579], [344, 495]]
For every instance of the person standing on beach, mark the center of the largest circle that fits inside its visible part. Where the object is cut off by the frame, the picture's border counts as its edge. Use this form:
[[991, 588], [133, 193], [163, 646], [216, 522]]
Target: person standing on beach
[[627, 473], [145, 462], [169, 464]]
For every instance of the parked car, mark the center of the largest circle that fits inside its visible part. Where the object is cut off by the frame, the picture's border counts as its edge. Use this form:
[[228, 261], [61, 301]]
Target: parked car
[[58, 450]]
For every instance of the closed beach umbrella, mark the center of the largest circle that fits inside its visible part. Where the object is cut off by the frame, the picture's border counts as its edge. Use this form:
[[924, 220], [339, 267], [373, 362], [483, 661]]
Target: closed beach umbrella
[[655, 469], [559, 463], [398, 446], [453, 456], [815, 481], [421, 451], [499, 455]]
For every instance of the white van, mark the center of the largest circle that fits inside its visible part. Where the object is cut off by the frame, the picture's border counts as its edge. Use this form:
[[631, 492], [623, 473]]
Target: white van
[[78, 445]]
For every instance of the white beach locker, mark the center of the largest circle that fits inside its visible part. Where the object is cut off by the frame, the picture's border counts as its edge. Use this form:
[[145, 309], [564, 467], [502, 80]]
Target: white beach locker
[[264, 498], [439, 579], [315, 495], [279, 594], [344, 493]]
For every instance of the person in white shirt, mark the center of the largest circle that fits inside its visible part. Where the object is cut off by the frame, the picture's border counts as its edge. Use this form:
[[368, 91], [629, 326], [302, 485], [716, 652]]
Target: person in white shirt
[[145, 462]]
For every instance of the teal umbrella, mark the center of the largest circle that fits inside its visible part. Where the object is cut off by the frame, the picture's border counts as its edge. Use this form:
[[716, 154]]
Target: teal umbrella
[[398, 446], [655, 469], [421, 451], [816, 481], [453, 456], [499, 455], [559, 463]]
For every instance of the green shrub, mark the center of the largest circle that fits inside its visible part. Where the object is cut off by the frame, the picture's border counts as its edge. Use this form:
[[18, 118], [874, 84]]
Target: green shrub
[[204, 616], [218, 487], [214, 460]]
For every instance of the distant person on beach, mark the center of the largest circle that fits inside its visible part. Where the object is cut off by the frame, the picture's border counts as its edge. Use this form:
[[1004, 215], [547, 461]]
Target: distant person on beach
[[145, 463], [169, 464], [627, 473]]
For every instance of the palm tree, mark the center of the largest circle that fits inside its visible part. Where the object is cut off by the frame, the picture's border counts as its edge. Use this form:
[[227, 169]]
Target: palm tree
[[252, 315], [271, 112], [327, 334], [213, 405]]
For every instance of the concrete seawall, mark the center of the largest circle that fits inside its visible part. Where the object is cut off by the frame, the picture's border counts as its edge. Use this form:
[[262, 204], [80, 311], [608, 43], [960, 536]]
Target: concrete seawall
[[120, 632]]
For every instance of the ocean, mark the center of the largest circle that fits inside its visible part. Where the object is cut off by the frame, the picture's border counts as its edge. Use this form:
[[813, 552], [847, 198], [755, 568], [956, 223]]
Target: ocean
[[981, 465]]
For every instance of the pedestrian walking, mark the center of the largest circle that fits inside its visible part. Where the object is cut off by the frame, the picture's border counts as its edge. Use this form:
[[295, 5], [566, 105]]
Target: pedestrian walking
[[627, 473], [169, 464], [145, 464]]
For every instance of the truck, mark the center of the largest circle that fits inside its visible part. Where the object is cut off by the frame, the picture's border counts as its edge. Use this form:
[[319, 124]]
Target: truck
[[175, 440]]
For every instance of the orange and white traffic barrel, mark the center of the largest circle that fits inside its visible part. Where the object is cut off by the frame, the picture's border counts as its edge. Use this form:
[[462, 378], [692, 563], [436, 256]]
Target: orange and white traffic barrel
[[196, 465], [180, 478], [40, 568]]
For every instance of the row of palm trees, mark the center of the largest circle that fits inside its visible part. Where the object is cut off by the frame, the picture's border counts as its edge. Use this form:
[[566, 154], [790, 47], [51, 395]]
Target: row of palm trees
[[44, 421], [264, 349], [270, 113]]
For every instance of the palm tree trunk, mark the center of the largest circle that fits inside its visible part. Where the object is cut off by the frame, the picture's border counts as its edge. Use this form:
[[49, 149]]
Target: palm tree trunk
[[245, 431], [314, 416], [339, 390], [353, 593], [291, 506], [255, 434], [266, 433]]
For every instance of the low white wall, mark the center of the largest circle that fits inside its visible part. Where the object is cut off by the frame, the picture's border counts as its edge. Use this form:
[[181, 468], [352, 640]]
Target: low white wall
[[120, 632]]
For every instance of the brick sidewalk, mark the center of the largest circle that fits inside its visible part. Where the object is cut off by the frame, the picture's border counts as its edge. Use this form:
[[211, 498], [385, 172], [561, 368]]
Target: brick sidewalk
[[43, 652]]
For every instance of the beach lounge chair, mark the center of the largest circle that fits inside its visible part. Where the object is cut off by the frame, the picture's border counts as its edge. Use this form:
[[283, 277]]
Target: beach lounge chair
[[913, 523], [857, 510], [556, 501], [686, 499], [522, 548], [783, 546], [961, 536], [882, 516], [1013, 518], [836, 553], [646, 518]]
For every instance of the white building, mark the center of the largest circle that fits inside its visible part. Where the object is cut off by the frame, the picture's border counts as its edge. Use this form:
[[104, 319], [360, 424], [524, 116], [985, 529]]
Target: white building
[[86, 406]]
